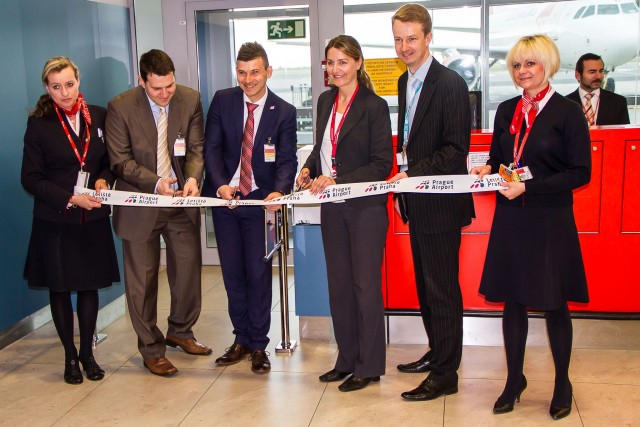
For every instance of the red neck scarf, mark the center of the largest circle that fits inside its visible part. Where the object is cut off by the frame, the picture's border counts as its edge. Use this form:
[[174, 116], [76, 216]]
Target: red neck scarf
[[527, 103], [81, 105]]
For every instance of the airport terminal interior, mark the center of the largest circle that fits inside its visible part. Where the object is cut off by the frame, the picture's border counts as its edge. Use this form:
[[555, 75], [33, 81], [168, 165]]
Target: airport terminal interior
[[106, 38]]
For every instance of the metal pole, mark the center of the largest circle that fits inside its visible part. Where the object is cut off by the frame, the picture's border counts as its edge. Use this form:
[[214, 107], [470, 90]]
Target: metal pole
[[286, 345]]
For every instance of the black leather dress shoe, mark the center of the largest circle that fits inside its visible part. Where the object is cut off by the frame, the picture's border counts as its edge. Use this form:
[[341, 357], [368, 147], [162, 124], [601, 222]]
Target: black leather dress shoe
[[429, 389], [233, 354], [72, 374], [419, 366], [260, 363], [354, 383], [333, 375], [558, 412], [503, 408], [92, 369]]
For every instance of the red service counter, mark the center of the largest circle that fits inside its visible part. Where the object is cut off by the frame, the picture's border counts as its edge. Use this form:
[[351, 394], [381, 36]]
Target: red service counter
[[607, 212]]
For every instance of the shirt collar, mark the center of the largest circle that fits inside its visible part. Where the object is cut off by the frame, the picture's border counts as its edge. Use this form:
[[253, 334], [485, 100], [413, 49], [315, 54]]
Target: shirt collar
[[155, 107], [421, 72], [260, 101], [582, 92]]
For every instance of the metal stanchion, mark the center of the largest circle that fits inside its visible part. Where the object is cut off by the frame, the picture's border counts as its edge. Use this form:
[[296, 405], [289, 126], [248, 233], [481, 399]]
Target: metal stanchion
[[282, 246]]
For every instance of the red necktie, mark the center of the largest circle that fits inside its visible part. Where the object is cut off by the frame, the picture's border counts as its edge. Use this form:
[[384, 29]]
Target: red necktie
[[247, 151]]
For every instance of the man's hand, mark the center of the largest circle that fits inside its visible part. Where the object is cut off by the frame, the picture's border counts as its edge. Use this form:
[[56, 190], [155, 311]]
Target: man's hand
[[191, 188], [228, 192], [303, 181], [397, 177], [101, 184], [273, 196], [165, 186]]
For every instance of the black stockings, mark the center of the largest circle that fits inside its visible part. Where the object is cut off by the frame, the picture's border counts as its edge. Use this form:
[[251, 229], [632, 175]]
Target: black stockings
[[515, 326], [62, 313]]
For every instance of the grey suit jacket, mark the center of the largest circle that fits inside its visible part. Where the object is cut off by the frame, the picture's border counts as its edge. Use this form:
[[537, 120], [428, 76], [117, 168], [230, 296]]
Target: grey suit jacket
[[132, 140], [438, 145]]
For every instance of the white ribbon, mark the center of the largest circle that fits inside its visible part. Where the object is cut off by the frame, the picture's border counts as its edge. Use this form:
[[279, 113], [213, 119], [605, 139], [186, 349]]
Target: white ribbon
[[439, 184]]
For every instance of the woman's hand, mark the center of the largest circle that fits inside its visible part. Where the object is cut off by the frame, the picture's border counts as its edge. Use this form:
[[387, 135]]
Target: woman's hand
[[398, 176], [481, 171], [320, 183], [303, 181], [85, 201], [515, 189], [101, 184]]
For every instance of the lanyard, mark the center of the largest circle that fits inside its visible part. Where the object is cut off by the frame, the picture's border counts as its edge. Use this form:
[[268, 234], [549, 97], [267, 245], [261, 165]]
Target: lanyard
[[406, 117], [333, 132], [73, 144]]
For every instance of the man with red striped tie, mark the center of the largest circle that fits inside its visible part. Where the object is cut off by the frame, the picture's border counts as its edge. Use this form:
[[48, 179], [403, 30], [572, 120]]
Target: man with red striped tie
[[600, 106], [250, 153]]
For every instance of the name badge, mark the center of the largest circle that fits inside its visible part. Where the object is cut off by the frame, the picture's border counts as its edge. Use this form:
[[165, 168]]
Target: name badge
[[401, 159], [179, 147], [269, 153], [83, 179], [512, 174]]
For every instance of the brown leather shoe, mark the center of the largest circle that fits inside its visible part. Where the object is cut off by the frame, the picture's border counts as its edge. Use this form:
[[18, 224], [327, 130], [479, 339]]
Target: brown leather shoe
[[233, 354], [190, 346], [160, 366], [260, 363]]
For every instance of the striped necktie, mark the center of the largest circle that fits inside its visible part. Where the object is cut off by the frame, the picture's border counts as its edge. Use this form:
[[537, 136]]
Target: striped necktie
[[247, 152], [163, 168], [588, 109]]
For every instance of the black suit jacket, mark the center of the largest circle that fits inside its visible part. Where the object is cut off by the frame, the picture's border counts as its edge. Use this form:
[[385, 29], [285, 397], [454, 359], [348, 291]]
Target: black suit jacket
[[612, 109], [223, 142], [438, 145], [50, 166], [365, 149]]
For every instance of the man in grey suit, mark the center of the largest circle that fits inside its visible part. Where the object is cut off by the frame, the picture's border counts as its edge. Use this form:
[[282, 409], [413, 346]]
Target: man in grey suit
[[433, 139], [155, 136], [600, 106]]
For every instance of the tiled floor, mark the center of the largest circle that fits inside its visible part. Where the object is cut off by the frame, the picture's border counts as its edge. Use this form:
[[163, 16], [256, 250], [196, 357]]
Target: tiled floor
[[32, 393]]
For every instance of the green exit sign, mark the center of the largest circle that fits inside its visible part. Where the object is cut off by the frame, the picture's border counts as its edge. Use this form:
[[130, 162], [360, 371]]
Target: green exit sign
[[286, 29]]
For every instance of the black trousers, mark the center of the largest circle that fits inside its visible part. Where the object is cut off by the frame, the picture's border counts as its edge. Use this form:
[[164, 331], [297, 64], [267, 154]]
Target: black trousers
[[353, 239], [436, 265]]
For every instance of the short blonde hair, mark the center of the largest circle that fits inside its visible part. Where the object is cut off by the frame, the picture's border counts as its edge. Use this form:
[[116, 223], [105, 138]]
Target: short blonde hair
[[413, 12], [538, 47]]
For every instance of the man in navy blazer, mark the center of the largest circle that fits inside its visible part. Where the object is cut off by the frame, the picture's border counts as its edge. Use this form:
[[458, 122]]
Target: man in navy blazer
[[609, 108], [267, 173]]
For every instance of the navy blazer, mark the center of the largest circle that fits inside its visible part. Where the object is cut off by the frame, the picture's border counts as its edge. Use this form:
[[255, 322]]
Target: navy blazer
[[50, 166], [223, 143], [365, 148], [612, 109]]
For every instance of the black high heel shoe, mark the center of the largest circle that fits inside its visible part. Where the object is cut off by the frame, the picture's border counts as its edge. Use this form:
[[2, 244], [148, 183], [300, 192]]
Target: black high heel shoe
[[503, 408], [72, 374], [559, 412], [92, 369]]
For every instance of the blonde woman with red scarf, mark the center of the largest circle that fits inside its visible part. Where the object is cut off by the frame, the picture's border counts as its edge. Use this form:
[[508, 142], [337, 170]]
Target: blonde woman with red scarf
[[71, 247], [541, 147]]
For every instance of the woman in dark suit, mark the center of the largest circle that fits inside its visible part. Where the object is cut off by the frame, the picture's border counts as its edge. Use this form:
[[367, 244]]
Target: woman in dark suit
[[534, 258], [71, 247], [353, 144]]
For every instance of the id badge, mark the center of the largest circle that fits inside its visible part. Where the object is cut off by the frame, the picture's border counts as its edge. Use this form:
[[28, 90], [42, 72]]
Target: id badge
[[401, 159], [523, 173], [506, 173], [83, 179], [269, 153], [179, 147]]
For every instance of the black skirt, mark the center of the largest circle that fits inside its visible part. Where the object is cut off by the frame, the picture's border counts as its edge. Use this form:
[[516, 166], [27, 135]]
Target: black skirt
[[71, 257], [534, 258]]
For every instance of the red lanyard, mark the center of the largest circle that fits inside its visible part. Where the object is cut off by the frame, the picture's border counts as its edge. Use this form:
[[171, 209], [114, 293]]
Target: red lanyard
[[518, 153], [333, 133], [73, 144]]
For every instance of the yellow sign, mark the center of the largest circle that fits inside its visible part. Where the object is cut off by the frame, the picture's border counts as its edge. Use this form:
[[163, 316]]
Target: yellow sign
[[384, 73]]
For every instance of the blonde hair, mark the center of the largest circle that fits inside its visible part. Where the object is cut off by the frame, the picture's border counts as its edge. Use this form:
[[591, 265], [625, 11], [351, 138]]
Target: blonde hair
[[56, 64], [538, 47], [414, 12]]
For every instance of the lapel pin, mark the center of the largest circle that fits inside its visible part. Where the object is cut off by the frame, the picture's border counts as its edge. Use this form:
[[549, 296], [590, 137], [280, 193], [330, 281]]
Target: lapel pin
[[273, 107]]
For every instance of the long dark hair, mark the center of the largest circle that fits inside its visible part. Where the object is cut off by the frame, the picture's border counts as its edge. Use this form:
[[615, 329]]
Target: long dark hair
[[350, 47], [56, 64]]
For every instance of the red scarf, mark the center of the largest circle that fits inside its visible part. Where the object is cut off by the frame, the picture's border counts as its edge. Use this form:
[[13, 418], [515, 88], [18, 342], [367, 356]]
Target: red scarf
[[521, 109], [81, 105]]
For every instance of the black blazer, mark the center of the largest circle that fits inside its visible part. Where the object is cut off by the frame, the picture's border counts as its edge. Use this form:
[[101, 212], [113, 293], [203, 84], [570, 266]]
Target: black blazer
[[438, 145], [365, 148], [612, 109], [50, 166]]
